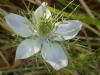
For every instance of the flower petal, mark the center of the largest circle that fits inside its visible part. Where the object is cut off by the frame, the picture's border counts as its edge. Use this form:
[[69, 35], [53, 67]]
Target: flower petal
[[19, 24], [68, 29], [42, 10], [27, 48], [54, 54]]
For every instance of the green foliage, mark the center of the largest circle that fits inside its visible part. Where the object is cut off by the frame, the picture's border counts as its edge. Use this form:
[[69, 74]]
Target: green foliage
[[62, 1], [83, 60], [84, 19]]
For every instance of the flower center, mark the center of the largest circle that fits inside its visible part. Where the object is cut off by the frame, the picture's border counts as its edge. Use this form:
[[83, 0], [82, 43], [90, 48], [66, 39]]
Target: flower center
[[45, 26]]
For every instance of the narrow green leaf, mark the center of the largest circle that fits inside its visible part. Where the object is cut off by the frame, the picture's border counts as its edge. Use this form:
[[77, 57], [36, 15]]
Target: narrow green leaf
[[84, 19], [63, 2]]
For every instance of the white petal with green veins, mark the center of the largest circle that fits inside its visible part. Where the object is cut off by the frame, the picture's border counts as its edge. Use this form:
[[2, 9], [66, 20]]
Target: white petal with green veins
[[20, 25], [67, 29], [54, 54], [27, 48], [42, 11]]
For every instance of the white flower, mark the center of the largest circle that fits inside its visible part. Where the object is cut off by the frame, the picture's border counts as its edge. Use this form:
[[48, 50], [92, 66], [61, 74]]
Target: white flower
[[43, 35]]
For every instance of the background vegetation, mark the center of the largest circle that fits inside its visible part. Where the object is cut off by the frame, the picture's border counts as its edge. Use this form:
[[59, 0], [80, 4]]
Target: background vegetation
[[83, 50]]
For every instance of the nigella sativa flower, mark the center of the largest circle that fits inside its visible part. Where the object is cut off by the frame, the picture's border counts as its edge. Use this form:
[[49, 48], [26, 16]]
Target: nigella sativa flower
[[41, 34]]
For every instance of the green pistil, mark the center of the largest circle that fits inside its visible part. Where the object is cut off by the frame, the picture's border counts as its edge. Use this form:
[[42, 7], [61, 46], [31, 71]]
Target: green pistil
[[45, 27]]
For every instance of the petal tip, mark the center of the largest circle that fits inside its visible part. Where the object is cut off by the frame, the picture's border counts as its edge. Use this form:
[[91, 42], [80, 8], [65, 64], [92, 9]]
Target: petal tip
[[44, 4], [62, 65]]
